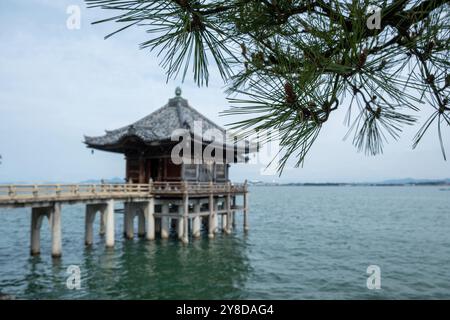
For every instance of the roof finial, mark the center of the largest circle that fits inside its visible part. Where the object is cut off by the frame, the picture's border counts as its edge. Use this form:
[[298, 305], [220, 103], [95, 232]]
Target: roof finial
[[178, 92]]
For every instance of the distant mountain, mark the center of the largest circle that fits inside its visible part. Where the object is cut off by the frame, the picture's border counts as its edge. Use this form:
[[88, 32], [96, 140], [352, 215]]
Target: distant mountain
[[97, 181], [416, 181], [393, 182]]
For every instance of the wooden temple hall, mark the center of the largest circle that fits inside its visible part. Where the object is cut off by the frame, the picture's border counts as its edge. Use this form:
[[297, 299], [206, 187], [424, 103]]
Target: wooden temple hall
[[166, 199]]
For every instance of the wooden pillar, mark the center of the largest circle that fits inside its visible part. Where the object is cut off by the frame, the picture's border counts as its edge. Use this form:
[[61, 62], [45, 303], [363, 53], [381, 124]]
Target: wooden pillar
[[89, 224], [37, 215], [196, 222], [108, 211], [55, 225], [141, 170], [149, 212], [165, 221]]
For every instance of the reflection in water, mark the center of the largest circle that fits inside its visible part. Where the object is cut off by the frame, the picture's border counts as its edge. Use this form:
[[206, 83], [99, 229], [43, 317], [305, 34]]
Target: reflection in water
[[169, 270]]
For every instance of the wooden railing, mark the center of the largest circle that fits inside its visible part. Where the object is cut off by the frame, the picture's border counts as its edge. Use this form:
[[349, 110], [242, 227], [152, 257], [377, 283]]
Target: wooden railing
[[61, 192]]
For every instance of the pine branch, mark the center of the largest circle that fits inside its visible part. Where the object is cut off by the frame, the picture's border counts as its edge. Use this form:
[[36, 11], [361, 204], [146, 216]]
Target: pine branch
[[299, 60]]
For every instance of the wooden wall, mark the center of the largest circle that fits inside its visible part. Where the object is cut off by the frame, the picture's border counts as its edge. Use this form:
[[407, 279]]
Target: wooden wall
[[140, 170]]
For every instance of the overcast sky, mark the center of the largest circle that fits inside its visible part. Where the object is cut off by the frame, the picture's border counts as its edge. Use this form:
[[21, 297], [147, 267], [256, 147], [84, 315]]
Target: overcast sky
[[57, 85]]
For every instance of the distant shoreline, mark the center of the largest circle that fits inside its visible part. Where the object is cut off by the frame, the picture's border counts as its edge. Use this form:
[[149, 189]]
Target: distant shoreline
[[408, 182], [430, 184]]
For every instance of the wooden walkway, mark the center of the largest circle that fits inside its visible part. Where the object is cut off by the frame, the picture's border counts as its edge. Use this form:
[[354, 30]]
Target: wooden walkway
[[157, 205], [32, 195]]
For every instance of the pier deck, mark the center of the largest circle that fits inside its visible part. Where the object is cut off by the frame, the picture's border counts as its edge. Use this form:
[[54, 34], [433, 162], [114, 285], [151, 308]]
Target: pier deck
[[156, 204], [35, 195]]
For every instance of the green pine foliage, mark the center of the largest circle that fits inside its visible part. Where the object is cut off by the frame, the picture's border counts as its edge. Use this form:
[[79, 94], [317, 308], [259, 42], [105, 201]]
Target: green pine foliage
[[289, 64]]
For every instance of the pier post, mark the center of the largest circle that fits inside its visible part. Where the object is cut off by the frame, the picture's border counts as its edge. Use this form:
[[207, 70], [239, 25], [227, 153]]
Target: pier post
[[102, 224], [216, 216], [88, 224], [108, 211], [141, 224], [180, 222], [233, 213], [196, 225], [224, 223], [55, 223], [125, 219], [228, 210], [211, 217], [37, 215], [165, 221], [246, 226], [129, 219], [186, 218], [149, 212]]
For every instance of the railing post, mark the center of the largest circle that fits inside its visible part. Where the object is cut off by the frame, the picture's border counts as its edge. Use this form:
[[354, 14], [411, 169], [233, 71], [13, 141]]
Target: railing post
[[35, 191], [128, 186], [58, 190], [150, 186], [12, 191]]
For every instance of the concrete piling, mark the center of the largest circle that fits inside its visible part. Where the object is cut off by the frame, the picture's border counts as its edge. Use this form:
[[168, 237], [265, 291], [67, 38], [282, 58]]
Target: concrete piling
[[165, 221], [221, 202], [149, 212]]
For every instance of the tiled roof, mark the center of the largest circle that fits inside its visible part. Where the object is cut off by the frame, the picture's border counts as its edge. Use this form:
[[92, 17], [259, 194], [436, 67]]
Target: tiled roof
[[157, 126]]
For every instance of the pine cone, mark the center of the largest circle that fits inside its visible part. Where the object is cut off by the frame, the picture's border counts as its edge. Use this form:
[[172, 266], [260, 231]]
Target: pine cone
[[291, 97], [362, 58]]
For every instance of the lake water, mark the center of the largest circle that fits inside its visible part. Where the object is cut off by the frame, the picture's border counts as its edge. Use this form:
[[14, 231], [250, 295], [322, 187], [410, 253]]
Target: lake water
[[304, 243]]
